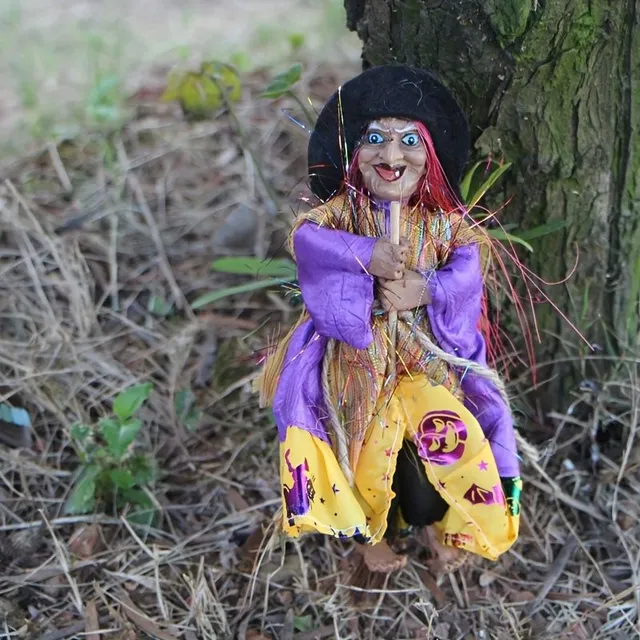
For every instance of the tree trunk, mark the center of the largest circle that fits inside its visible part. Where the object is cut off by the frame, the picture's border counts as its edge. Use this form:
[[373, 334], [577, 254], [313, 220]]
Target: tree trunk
[[554, 87]]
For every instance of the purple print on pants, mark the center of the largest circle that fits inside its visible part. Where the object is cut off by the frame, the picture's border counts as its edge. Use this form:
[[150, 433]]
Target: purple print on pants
[[298, 498], [441, 437], [478, 495]]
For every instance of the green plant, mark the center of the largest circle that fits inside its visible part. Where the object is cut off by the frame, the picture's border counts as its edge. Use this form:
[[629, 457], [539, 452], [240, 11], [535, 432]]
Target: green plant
[[282, 85], [187, 412], [500, 233], [105, 103], [201, 92], [113, 475], [272, 273]]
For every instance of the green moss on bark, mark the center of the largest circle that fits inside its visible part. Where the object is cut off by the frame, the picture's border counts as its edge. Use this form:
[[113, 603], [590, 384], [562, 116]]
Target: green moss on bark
[[509, 17]]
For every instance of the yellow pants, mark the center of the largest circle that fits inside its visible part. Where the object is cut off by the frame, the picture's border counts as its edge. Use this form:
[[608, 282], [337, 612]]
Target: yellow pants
[[456, 456]]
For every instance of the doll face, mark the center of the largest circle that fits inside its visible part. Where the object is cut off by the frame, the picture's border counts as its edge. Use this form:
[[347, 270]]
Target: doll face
[[392, 158]]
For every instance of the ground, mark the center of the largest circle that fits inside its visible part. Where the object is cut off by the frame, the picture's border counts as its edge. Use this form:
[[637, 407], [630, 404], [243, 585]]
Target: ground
[[105, 241]]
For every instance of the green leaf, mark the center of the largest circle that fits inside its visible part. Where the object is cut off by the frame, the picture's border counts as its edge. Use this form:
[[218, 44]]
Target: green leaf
[[250, 265], [129, 401], [174, 84], [122, 478], [231, 291], [183, 402], [195, 92], [144, 517], [202, 92], [143, 469], [119, 435], [542, 230], [487, 184], [138, 498], [80, 432], [466, 181], [143, 511], [83, 496], [283, 82], [296, 40], [159, 306], [303, 623], [499, 234], [225, 76], [186, 412]]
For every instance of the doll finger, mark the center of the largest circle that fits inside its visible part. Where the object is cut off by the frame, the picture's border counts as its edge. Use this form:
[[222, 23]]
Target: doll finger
[[399, 252]]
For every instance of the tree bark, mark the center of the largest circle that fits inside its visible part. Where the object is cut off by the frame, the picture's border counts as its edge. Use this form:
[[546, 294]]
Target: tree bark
[[554, 87]]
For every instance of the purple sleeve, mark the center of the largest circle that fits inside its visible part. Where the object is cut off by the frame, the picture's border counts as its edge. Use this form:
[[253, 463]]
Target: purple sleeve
[[335, 285], [454, 312]]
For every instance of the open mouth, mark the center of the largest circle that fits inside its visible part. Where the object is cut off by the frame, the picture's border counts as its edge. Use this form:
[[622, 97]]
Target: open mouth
[[388, 173]]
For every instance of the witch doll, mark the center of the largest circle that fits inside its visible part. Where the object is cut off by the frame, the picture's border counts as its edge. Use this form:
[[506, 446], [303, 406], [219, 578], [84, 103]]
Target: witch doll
[[381, 431]]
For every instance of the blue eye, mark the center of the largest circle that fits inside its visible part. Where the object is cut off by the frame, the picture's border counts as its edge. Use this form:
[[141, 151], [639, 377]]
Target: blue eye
[[373, 137], [411, 139]]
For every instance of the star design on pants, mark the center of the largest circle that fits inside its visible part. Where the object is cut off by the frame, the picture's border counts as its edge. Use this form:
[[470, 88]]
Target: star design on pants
[[483, 466]]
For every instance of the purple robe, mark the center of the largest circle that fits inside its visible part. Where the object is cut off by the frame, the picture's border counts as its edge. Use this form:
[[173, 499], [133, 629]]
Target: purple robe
[[339, 294]]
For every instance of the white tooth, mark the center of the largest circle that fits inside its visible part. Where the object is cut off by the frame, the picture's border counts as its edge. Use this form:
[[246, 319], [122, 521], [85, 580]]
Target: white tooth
[[397, 173]]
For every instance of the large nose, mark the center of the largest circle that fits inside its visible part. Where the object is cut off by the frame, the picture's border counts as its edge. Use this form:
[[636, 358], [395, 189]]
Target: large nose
[[392, 152]]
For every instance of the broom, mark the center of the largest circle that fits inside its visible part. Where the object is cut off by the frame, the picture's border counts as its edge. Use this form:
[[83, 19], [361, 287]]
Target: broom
[[393, 314]]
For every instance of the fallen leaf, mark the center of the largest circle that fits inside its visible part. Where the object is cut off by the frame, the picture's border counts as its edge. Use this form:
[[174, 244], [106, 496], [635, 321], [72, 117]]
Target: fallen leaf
[[227, 322], [626, 521], [92, 625], [486, 579], [431, 584], [317, 634], [521, 596], [236, 500], [249, 550], [442, 630], [141, 621], [255, 634], [54, 585], [285, 597], [85, 540]]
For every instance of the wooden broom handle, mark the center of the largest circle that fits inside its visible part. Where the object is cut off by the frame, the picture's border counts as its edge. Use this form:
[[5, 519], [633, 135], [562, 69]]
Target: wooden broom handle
[[393, 315]]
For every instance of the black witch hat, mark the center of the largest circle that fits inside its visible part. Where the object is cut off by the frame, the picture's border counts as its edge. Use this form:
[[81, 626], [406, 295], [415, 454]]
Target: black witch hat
[[393, 91]]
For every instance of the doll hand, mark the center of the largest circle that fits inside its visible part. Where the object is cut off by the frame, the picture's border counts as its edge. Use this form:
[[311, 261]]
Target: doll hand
[[387, 260], [409, 292]]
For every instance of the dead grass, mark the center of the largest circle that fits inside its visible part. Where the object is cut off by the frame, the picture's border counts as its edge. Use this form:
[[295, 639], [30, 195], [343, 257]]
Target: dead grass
[[87, 235]]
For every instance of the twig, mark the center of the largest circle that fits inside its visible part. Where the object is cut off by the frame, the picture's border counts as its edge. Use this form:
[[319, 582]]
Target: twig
[[553, 489], [554, 573], [134, 183], [237, 125], [62, 558], [57, 522], [61, 172], [72, 630]]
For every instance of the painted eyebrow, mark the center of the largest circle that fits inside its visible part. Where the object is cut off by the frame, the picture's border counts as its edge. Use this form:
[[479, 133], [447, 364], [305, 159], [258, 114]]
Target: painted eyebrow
[[378, 127]]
